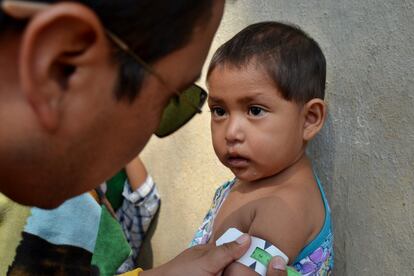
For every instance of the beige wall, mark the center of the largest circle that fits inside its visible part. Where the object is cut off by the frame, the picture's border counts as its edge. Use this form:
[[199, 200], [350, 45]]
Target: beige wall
[[364, 156]]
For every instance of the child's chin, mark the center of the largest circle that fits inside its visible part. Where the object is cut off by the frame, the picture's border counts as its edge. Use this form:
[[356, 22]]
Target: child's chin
[[246, 177]]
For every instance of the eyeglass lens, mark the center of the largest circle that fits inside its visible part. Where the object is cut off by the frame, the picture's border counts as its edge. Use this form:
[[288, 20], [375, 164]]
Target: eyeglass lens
[[181, 109]]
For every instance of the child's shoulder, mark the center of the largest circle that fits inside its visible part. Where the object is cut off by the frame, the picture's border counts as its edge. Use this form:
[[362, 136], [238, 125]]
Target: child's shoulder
[[290, 216]]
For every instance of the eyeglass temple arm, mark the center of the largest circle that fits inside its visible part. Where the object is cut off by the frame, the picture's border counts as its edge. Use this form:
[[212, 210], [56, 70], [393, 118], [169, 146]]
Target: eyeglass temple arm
[[115, 39]]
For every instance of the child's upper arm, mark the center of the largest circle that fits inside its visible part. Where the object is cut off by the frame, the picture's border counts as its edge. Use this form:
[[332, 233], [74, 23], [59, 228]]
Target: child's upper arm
[[281, 223]]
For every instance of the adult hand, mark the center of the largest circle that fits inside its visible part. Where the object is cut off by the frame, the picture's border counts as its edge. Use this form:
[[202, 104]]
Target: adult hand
[[276, 267], [204, 260]]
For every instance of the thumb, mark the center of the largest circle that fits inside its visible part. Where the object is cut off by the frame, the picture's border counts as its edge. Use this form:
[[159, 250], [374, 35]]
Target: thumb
[[276, 267], [221, 256]]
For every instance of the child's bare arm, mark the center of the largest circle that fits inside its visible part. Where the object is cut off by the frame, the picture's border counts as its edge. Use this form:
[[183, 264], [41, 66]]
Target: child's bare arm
[[280, 223], [136, 172]]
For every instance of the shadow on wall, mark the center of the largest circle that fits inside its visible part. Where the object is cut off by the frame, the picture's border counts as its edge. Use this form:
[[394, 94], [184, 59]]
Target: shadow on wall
[[322, 153], [146, 256]]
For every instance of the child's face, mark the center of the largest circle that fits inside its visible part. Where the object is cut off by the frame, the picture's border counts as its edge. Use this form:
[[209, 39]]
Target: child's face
[[256, 133]]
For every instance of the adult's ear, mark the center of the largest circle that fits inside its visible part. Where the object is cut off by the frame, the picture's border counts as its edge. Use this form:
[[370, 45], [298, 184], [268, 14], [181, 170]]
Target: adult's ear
[[315, 114], [58, 44]]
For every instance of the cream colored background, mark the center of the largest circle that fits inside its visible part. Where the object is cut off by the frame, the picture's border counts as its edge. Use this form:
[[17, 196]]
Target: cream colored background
[[364, 155]]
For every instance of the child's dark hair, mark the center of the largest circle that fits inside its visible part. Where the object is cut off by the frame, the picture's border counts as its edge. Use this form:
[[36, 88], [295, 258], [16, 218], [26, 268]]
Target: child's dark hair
[[292, 59]]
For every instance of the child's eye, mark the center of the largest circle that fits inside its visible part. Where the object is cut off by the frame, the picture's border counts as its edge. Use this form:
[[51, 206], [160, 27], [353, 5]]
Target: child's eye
[[218, 111], [256, 111]]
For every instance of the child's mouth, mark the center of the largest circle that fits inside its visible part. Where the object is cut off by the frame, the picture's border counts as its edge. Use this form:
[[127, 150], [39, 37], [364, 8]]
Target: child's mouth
[[237, 161]]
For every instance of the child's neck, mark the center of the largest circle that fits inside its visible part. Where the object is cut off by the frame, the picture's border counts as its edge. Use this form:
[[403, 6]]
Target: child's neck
[[297, 169]]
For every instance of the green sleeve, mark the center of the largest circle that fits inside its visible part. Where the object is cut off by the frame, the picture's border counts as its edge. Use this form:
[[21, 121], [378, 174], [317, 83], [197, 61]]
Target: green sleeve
[[115, 186]]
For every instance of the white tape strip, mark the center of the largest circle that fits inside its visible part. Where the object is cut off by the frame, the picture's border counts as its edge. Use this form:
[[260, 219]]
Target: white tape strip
[[259, 253]]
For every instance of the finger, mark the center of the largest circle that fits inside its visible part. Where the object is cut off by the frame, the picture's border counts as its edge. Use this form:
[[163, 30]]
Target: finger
[[221, 256], [276, 267]]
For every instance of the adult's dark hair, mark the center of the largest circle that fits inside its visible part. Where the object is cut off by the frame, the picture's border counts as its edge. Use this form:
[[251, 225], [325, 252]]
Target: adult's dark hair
[[152, 29], [291, 58]]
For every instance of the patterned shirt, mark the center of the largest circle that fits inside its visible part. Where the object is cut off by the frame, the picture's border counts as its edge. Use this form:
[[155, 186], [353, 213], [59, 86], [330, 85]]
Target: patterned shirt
[[316, 258], [135, 215]]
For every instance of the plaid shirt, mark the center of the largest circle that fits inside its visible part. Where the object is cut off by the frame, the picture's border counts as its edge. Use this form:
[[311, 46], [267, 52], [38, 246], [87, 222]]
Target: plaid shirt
[[135, 215]]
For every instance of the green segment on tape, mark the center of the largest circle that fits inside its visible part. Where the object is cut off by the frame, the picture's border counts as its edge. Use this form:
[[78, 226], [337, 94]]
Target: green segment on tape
[[264, 258], [261, 256]]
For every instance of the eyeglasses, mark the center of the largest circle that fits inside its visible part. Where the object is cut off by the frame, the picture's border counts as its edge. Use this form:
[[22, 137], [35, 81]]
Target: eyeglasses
[[181, 108]]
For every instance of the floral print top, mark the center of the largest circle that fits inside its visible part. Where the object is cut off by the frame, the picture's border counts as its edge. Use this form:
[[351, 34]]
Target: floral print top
[[316, 258]]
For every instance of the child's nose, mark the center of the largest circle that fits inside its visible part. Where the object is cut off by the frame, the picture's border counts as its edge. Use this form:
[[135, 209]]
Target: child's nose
[[234, 130]]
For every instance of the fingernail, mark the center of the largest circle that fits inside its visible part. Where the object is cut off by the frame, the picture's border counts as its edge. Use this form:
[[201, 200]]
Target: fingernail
[[242, 239], [278, 263]]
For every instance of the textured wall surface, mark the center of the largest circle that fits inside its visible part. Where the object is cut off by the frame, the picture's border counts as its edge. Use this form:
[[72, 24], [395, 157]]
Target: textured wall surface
[[365, 154]]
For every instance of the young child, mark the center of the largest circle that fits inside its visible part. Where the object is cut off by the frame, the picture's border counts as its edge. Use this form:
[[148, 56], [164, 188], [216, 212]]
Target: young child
[[266, 89]]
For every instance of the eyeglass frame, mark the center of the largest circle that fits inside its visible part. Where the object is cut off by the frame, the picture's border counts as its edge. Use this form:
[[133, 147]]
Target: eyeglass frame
[[124, 47]]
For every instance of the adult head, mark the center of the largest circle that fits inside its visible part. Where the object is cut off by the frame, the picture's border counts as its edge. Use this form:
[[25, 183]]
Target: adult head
[[74, 107]]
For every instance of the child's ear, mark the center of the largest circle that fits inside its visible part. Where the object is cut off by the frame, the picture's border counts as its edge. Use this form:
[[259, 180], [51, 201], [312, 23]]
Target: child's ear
[[315, 114]]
